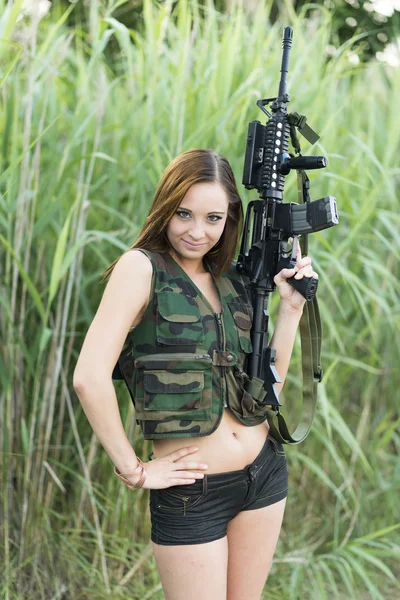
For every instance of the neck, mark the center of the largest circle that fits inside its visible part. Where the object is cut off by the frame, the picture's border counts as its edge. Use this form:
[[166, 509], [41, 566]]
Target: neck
[[191, 267]]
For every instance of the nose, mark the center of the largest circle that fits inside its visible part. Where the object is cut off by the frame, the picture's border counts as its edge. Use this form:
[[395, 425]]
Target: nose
[[196, 232]]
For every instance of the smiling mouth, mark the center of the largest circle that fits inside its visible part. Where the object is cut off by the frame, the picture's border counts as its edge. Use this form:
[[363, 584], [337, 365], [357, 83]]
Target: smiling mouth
[[193, 245]]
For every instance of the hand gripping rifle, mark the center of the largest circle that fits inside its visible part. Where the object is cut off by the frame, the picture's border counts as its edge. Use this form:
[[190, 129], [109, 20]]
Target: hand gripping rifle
[[265, 248]]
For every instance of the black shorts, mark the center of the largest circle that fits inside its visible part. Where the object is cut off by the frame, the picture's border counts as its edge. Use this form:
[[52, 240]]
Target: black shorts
[[200, 512]]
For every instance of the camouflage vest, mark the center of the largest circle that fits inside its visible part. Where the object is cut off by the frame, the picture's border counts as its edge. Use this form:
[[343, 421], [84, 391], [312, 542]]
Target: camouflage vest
[[183, 363]]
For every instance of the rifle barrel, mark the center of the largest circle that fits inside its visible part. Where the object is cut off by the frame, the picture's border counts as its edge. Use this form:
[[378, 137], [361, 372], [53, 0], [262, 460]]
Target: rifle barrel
[[286, 45]]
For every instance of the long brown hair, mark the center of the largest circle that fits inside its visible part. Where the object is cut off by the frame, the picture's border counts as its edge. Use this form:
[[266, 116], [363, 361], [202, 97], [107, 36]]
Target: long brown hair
[[191, 167]]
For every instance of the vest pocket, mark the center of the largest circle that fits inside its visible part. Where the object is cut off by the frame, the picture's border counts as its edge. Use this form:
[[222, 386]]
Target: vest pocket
[[178, 320], [173, 385], [243, 316]]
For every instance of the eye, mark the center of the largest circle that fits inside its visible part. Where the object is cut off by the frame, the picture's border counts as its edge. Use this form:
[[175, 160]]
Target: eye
[[182, 214], [214, 218]]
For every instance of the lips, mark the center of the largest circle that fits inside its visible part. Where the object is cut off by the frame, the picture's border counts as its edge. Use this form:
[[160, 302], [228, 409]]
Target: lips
[[190, 245]]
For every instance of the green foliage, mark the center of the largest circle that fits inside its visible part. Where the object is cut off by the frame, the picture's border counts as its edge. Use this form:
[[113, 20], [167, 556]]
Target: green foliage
[[374, 24], [85, 135]]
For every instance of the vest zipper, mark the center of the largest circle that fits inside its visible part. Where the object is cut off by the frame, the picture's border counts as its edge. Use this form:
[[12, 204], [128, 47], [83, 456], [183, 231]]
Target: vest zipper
[[220, 330]]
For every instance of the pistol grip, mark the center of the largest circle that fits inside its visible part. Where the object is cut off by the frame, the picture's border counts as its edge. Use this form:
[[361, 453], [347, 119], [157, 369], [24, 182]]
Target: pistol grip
[[307, 286]]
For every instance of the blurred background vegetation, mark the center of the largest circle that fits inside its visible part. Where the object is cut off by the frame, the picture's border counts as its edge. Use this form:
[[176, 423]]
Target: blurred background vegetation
[[96, 98]]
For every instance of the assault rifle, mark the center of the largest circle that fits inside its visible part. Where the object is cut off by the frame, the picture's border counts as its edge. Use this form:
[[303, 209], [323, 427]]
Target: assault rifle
[[271, 233]]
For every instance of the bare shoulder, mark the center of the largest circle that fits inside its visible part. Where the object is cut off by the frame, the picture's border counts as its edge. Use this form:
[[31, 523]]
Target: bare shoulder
[[130, 283], [134, 262]]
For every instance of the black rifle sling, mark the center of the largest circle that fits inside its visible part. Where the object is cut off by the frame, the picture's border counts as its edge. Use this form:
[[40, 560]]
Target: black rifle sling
[[310, 336]]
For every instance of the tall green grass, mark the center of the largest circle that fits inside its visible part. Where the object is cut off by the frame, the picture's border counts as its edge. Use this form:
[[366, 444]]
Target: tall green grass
[[89, 118]]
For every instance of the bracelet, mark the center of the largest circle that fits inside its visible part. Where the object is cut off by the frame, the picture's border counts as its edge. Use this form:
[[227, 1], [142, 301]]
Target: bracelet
[[129, 484]]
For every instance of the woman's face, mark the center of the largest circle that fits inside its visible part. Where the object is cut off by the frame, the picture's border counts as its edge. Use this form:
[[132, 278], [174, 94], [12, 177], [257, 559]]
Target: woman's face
[[199, 221]]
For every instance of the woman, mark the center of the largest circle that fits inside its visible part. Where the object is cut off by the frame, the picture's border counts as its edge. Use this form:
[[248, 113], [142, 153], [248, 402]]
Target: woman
[[177, 319]]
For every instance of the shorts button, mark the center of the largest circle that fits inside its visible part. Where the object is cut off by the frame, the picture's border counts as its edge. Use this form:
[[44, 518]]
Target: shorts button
[[229, 358]]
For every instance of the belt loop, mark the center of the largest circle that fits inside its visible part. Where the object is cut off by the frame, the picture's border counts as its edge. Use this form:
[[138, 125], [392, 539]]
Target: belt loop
[[205, 485]]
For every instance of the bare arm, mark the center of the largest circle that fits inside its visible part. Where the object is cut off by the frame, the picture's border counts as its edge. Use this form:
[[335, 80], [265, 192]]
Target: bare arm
[[125, 296], [283, 340], [290, 311]]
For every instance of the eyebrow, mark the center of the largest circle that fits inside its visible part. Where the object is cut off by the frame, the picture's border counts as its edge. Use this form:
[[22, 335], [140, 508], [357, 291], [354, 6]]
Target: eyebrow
[[213, 212]]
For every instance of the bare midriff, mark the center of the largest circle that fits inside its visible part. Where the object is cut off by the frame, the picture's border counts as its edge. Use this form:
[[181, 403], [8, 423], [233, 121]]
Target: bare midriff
[[231, 447]]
